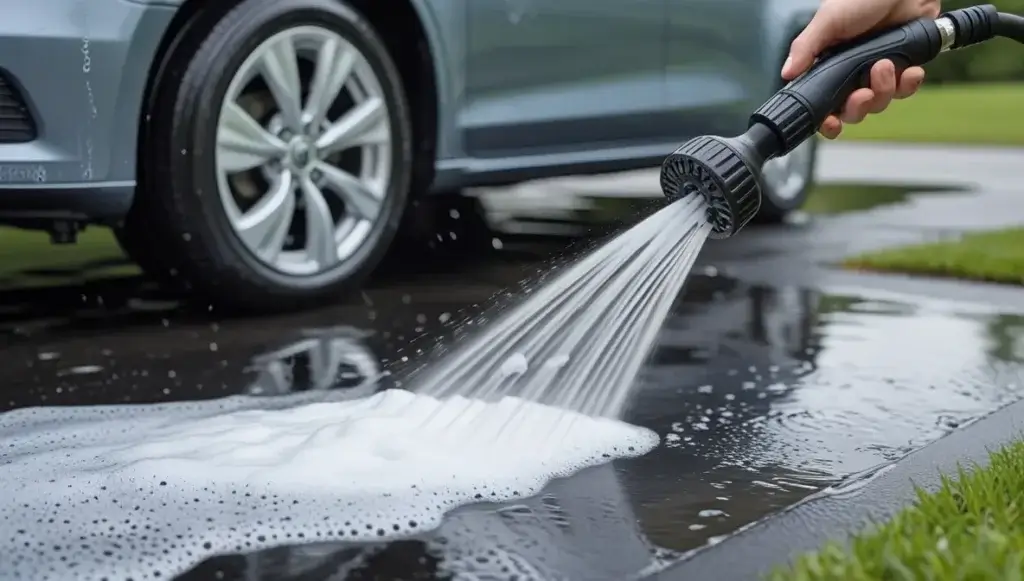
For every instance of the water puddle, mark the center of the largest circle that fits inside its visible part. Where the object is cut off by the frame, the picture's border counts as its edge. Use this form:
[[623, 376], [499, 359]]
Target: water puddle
[[581, 528], [761, 397], [764, 396]]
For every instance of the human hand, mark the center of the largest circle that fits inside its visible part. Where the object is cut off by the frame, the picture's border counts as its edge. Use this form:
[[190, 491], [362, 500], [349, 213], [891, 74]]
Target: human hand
[[840, 20]]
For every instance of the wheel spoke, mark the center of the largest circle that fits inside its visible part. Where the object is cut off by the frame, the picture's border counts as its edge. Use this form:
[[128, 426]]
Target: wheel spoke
[[360, 199], [265, 227], [242, 143], [280, 68], [320, 243], [364, 124], [334, 63]]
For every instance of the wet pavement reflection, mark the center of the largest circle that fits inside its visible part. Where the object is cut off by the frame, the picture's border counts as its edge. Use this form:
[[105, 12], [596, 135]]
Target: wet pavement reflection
[[767, 394], [762, 395]]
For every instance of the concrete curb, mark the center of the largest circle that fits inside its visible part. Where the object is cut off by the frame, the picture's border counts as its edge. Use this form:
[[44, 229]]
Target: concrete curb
[[775, 540]]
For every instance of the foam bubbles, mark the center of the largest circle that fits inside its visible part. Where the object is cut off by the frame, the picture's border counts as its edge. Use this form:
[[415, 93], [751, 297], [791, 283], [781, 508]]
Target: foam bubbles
[[147, 491]]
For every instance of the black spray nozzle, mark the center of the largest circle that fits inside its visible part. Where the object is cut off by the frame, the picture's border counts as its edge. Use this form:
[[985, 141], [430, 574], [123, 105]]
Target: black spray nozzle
[[726, 171]]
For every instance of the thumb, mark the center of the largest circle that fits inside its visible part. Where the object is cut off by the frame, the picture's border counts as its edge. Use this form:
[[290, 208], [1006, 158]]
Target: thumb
[[806, 47]]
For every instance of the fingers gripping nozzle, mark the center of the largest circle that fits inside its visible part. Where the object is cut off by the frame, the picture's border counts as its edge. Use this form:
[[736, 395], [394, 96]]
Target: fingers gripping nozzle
[[726, 172]]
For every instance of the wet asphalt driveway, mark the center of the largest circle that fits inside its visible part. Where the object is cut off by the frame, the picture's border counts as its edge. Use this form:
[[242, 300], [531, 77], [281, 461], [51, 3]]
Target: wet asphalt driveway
[[775, 376]]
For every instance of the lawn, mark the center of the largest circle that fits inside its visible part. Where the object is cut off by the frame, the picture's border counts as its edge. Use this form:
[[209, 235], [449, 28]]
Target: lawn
[[27, 258], [971, 528], [838, 198], [978, 114], [989, 256]]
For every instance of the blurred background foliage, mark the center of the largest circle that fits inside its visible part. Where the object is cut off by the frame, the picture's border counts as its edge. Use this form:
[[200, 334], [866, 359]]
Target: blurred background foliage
[[996, 61]]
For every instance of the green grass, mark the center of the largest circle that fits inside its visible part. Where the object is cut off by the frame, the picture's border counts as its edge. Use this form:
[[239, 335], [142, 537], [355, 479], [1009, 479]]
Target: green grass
[[979, 114], [990, 256], [971, 529], [839, 198], [27, 258]]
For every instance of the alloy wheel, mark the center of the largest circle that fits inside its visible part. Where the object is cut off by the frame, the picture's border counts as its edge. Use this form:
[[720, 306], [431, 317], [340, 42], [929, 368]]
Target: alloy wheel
[[303, 154], [787, 176]]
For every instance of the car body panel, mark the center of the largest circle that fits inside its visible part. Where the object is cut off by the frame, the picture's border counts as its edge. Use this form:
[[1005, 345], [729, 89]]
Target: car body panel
[[714, 77], [82, 67], [526, 88], [551, 76], [720, 59]]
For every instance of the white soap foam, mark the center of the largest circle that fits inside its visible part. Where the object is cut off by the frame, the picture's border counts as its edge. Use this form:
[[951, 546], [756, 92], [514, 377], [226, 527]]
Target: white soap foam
[[148, 491]]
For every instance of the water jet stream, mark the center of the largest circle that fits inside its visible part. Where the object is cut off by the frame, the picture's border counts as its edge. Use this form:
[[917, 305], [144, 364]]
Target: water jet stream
[[579, 341]]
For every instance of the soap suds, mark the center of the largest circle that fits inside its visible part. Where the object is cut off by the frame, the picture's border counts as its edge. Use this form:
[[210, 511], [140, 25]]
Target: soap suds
[[148, 491]]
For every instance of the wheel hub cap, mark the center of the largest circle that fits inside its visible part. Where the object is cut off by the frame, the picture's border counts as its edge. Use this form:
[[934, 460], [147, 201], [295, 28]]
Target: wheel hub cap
[[302, 153]]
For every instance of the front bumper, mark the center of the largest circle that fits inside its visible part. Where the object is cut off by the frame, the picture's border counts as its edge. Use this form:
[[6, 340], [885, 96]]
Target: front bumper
[[75, 73]]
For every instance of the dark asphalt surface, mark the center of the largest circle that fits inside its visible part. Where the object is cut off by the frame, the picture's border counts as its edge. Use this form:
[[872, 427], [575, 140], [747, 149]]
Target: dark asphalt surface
[[774, 377]]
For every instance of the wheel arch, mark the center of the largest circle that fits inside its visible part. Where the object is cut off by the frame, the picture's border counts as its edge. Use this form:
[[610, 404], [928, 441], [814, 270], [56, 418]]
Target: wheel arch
[[420, 64]]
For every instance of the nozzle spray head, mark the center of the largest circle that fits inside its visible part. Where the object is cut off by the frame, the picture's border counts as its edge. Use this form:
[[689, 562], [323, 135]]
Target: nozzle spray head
[[726, 172]]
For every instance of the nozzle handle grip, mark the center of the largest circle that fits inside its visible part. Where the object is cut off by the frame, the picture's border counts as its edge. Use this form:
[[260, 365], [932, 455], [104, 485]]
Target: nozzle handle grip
[[799, 108]]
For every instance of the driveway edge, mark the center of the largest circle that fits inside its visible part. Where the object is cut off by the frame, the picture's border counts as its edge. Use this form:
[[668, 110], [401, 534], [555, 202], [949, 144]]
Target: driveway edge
[[754, 550]]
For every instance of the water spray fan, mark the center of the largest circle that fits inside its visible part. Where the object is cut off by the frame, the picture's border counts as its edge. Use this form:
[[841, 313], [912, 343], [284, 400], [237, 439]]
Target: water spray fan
[[726, 172]]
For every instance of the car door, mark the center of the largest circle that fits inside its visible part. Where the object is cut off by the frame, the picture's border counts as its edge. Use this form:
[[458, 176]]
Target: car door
[[715, 69], [561, 75]]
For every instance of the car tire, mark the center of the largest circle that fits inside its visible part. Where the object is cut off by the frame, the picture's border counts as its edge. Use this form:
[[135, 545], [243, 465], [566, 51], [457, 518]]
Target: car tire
[[788, 182], [185, 196], [136, 244], [449, 218]]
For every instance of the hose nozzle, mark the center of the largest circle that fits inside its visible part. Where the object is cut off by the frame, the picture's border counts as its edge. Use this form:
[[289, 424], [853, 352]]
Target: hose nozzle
[[726, 172]]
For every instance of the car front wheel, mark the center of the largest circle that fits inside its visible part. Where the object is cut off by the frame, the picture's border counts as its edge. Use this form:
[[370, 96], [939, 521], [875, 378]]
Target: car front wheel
[[276, 154], [788, 181]]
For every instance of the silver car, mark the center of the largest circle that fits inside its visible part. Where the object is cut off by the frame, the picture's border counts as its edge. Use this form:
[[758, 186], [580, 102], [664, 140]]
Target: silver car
[[262, 152]]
